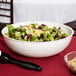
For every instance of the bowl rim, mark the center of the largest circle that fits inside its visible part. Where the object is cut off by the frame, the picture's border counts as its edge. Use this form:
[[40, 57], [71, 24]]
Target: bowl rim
[[72, 31]]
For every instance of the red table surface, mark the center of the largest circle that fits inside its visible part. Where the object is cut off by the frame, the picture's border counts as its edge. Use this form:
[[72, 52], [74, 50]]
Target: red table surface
[[52, 66]]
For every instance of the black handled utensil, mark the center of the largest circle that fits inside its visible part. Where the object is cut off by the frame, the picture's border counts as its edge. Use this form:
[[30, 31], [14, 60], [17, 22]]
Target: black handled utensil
[[6, 58]]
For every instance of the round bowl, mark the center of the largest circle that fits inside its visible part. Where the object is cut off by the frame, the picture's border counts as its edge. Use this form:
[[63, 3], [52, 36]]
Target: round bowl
[[39, 49], [70, 59]]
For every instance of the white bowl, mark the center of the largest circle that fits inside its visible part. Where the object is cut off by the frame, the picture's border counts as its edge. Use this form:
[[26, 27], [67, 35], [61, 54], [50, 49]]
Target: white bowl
[[39, 49]]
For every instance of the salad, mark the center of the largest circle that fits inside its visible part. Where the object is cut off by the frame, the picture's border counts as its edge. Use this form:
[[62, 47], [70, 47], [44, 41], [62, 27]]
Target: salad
[[35, 33]]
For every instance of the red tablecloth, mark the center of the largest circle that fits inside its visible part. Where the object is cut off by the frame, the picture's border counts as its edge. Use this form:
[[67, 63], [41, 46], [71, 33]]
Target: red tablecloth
[[52, 66]]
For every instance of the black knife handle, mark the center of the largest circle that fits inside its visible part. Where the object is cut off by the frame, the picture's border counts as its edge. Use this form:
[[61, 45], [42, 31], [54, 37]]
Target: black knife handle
[[26, 65], [6, 58]]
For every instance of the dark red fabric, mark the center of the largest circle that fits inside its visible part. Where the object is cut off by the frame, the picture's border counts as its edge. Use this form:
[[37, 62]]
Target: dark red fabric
[[52, 66]]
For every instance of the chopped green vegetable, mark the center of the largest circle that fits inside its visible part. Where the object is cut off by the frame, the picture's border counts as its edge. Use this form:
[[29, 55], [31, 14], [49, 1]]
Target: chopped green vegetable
[[35, 33], [10, 28], [51, 38]]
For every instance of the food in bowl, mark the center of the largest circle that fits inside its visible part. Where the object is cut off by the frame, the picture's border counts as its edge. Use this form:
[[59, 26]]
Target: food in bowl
[[73, 61], [35, 32], [72, 64], [39, 48], [70, 59]]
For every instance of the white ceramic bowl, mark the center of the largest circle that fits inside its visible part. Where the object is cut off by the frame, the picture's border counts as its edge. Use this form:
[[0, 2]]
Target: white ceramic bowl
[[39, 49]]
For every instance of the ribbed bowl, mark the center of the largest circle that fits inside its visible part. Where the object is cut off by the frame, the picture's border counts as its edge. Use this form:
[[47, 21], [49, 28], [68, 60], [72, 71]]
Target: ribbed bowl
[[39, 49]]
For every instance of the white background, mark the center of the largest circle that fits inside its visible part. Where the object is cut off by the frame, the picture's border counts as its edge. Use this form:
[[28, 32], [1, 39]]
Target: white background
[[43, 10]]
